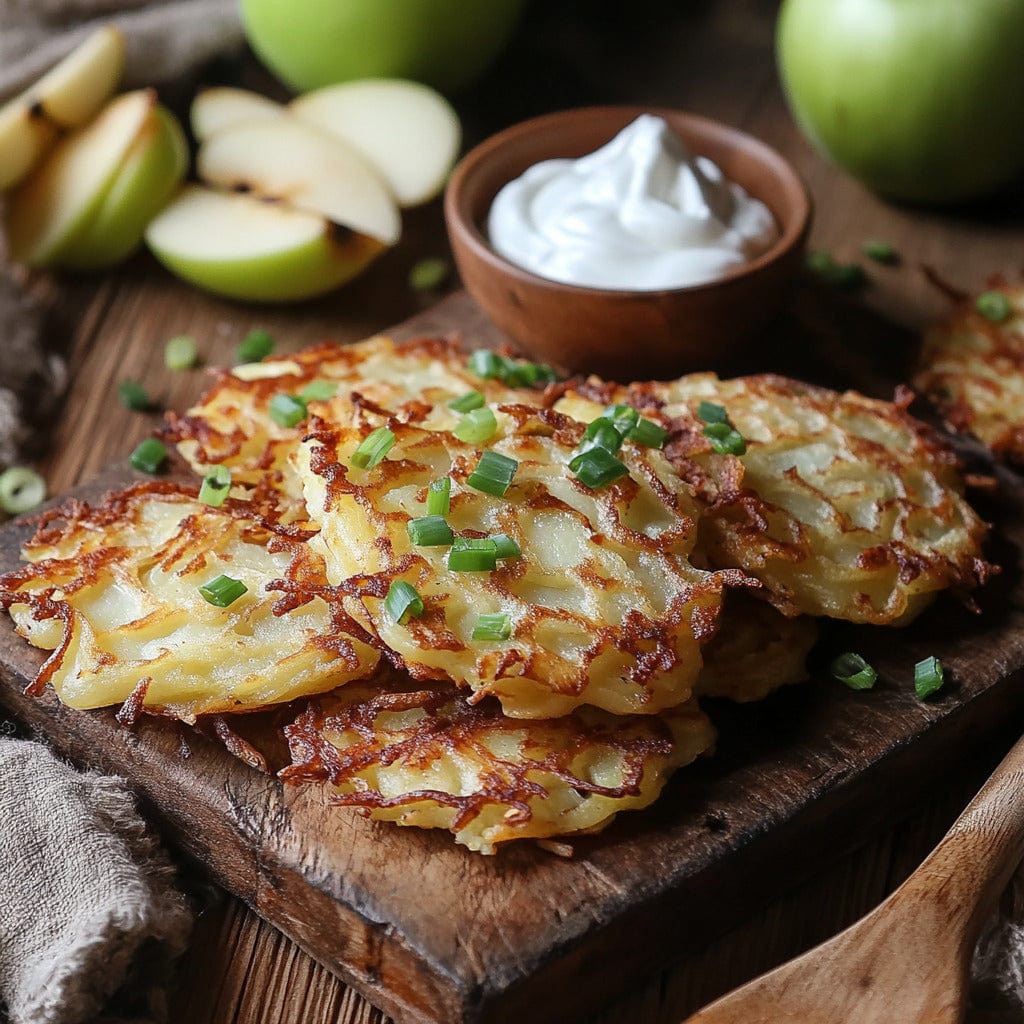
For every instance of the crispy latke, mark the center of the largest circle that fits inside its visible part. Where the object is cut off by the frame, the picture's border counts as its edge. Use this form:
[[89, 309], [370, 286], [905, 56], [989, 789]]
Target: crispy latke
[[420, 754], [604, 606], [842, 505], [973, 370], [113, 590]]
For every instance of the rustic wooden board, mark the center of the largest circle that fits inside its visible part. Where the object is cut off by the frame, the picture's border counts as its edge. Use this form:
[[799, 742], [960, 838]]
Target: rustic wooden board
[[430, 932]]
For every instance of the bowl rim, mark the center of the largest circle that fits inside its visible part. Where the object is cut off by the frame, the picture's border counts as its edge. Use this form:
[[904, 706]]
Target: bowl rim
[[791, 235]]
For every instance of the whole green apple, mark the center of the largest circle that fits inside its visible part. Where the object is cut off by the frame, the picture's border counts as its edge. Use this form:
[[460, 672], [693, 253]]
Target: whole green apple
[[922, 100], [312, 43]]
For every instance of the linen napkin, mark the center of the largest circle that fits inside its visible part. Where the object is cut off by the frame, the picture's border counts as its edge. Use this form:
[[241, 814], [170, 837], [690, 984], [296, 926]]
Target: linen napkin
[[85, 892]]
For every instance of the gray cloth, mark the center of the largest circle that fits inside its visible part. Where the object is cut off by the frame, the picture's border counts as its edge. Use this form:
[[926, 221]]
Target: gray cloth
[[83, 888], [166, 39]]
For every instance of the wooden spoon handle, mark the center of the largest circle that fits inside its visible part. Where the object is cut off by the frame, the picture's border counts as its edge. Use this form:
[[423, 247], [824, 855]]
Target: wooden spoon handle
[[974, 861]]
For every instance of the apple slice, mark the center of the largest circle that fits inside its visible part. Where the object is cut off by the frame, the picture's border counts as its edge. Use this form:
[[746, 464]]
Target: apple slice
[[407, 131], [284, 159], [66, 97], [47, 211], [151, 172], [222, 107], [248, 248]]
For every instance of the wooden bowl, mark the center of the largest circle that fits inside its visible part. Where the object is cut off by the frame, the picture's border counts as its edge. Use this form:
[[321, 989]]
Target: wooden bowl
[[625, 334]]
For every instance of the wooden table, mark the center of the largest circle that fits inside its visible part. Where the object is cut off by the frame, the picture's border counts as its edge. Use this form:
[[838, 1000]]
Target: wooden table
[[714, 58]]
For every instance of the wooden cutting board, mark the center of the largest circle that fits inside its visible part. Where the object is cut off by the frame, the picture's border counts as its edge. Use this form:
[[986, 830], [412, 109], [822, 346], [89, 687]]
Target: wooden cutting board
[[430, 932]]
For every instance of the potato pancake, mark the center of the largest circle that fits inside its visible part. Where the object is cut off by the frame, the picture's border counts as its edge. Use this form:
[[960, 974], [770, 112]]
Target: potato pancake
[[841, 505], [972, 368], [232, 425], [114, 591], [601, 603], [420, 754]]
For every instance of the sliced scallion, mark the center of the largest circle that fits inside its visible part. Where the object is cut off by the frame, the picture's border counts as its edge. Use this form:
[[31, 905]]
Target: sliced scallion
[[468, 402], [216, 485], [596, 468], [21, 490], [319, 391], [708, 412], [373, 448], [430, 532], [287, 410], [134, 396], [623, 417], [505, 546], [493, 627], [477, 426], [468, 554], [439, 500], [487, 364], [180, 353], [429, 274], [649, 434], [149, 456], [994, 306], [928, 677], [601, 433], [879, 251], [493, 473], [255, 346], [222, 591], [403, 602], [512, 372], [725, 439], [854, 671]]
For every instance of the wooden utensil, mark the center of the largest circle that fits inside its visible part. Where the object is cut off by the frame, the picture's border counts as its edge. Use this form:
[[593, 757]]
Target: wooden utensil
[[909, 959]]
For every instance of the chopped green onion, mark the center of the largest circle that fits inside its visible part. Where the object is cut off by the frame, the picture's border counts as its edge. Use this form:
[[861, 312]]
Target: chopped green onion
[[994, 306], [429, 274], [854, 671], [149, 456], [439, 500], [928, 677], [539, 373], [373, 448], [223, 591], [841, 275], [403, 602], [725, 439], [601, 433], [624, 417], [493, 473], [596, 468], [468, 554], [505, 546], [493, 627], [255, 346], [468, 402], [430, 532], [21, 490], [477, 426], [287, 410], [487, 364], [880, 252], [319, 391], [708, 412], [180, 353], [134, 396], [649, 434], [216, 485]]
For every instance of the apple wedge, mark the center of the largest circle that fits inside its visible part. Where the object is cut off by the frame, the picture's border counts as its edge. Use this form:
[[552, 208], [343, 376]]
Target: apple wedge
[[409, 132], [244, 247], [281, 158], [66, 97], [214, 110], [51, 207], [152, 171]]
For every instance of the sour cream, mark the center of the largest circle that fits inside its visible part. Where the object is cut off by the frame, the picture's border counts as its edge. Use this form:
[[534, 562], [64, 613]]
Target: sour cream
[[641, 213]]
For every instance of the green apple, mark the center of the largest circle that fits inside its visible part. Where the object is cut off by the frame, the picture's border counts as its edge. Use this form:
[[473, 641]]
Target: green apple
[[152, 171], [47, 212], [407, 131], [245, 247], [66, 97], [922, 100], [281, 158], [222, 107], [312, 43]]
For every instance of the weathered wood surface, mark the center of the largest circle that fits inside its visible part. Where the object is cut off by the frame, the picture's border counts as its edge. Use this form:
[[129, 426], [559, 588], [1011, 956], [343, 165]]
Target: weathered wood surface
[[714, 59]]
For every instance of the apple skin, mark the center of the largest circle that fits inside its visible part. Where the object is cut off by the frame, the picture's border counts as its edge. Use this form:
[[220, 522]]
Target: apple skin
[[921, 100], [444, 43], [152, 171]]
